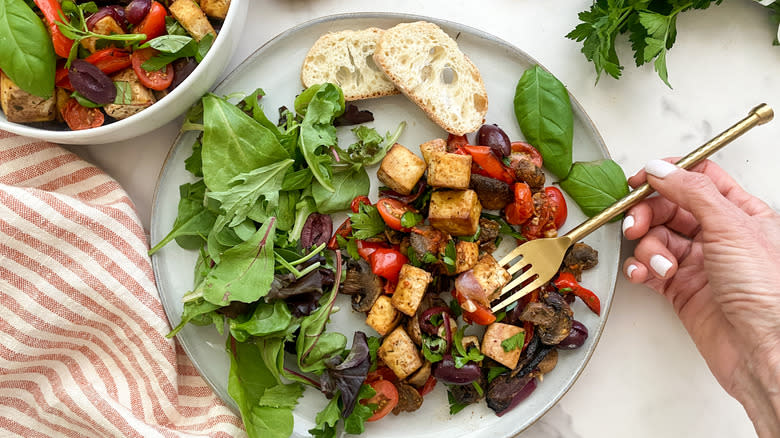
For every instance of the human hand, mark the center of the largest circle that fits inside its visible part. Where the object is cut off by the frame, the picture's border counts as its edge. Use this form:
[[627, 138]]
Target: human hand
[[712, 250]]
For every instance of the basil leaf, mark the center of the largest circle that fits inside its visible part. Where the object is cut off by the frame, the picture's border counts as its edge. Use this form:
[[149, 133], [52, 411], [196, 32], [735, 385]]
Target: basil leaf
[[168, 43], [595, 185], [543, 110], [124, 94], [83, 101], [26, 51], [203, 46]]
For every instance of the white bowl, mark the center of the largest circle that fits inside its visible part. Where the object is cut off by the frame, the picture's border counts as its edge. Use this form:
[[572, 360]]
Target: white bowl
[[167, 108]]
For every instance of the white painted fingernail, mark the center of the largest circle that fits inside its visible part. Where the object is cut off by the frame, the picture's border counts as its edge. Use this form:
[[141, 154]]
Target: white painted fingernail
[[628, 222], [630, 271], [660, 168], [660, 264]]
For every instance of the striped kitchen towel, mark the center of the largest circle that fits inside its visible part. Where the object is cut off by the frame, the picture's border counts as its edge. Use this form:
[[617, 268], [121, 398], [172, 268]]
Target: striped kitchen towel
[[83, 351]]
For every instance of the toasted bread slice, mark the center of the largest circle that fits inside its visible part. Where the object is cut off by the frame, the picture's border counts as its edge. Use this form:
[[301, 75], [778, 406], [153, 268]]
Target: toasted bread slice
[[345, 58], [427, 66]]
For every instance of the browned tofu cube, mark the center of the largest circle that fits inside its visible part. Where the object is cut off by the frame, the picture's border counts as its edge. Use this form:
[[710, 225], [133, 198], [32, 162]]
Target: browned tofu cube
[[430, 148], [450, 171], [495, 334], [466, 255], [215, 8], [421, 376], [105, 26], [192, 18], [20, 106], [61, 96], [401, 169], [455, 212], [140, 96], [383, 317], [399, 353], [490, 276], [412, 283]]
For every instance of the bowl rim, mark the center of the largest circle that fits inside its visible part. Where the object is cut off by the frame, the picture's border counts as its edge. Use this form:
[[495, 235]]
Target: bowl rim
[[83, 136]]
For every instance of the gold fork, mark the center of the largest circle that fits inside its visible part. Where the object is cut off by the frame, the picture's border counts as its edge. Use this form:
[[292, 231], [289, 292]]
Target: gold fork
[[541, 258]]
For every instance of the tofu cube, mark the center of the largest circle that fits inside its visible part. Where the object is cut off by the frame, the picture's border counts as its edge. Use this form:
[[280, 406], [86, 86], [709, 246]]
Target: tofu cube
[[20, 106], [105, 26], [412, 283], [192, 18], [495, 334], [421, 376], [383, 317], [466, 255], [399, 353], [455, 212], [215, 8], [491, 276], [401, 169], [61, 96], [430, 148], [452, 171], [141, 97]]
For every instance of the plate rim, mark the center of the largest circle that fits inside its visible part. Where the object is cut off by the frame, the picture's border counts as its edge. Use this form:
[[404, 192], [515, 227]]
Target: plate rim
[[516, 51]]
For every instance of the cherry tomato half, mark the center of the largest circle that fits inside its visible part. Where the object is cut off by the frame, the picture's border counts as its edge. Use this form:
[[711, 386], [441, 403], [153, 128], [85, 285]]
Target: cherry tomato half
[[366, 248], [155, 79], [80, 117], [521, 147], [344, 230], [381, 373], [522, 208], [355, 205], [386, 398], [110, 60], [387, 263], [558, 203], [482, 315], [153, 25], [61, 78], [391, 211]]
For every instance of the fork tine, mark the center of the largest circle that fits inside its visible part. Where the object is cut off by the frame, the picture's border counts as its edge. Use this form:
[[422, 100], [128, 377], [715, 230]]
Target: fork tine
[[516, 267], [519, 294], [517, 281], [515, 253]]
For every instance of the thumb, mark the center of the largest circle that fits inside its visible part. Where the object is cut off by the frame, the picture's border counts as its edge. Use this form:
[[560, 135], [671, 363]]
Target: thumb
[[692, 191]]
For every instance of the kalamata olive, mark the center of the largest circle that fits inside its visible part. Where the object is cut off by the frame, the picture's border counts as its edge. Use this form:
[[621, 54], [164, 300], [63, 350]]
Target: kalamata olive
[[316, 230], [449, 374], [496, 138], [425, 319], [114, 11], [577, 336], [137, 9], [91, 82], [520, 396], [182, 68]]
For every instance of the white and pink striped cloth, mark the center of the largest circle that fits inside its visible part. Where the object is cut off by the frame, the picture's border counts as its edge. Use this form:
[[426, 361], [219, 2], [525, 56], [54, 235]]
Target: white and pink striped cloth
[[83, 351]]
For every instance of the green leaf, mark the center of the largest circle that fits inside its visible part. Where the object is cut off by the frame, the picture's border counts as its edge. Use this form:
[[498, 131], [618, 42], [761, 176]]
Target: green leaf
[[245, 271], [194, 311], [124, 94], [282, 396], [26, 51], [367, 222], [595, 185], [450, 255], [83, 101], [266, 320], [168, 43], [514, 342], [313, 345], [347, 185], [233, 143], [303, 209], [298, 180], [543, 110], [355, 423], [317, 131], [410, 219], [494, 372], [204, 45], [660, 31], [326, 420], [193, 221], [455, 407]]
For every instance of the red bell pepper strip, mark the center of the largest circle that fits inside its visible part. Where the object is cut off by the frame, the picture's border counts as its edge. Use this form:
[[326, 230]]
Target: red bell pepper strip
[[428, 386], [366, 248], [387, 263], [355, 204], [566, 280], [52, 12], [522, 207], [61, 78], [110, 60], [344, 230], [484, 156]]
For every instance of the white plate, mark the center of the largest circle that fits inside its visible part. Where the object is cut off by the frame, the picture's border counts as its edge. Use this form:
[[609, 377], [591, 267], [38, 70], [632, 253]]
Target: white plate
[[276, 68]]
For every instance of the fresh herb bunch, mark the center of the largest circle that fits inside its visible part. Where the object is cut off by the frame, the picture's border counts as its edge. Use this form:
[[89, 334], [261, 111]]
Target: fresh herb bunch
[[651, 25]]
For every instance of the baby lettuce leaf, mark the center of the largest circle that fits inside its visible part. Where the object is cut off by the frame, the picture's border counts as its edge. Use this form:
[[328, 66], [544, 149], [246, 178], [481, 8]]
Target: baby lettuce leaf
[[246, 190], [194, 221], [198, 312], [346, 376], [347, 184], [313, 345], [245, 271], [303, 209], [543, 110], [266, 406], [234, 143], [595, 185], [318, 134], [328, 418], [266, 320], [26, 51]]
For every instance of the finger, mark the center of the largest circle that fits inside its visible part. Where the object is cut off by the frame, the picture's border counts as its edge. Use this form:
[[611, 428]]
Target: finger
[[660, 250], [658, 211], [692, 191], [637, 272]]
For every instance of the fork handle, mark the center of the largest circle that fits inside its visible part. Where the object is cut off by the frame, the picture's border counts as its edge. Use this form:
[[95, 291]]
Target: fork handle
[[758, 116]]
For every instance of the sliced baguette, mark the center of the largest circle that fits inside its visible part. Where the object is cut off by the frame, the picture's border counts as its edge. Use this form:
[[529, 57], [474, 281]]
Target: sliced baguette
[[428, 67], [345, 58]]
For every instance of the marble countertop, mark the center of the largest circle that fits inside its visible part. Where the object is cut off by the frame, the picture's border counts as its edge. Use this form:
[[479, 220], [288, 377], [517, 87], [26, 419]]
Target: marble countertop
[[646, 378]]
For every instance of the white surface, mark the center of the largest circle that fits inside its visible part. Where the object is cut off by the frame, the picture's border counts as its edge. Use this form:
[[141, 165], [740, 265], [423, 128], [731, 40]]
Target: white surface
[[500, 66], [646, 379]]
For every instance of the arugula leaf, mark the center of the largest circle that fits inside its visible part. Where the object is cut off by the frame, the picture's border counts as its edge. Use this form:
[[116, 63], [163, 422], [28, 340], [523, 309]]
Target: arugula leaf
[[194, 163], [193, 222], [595, 185], [233, 143], [367, 222], [245, 272], [543, 111], [317, 131], [514, 342]]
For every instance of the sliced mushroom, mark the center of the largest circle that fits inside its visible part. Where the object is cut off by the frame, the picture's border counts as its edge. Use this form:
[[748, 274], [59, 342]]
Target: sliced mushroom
[[426, 239], [549, 362], [467, 394], [409, 400], [493, 194], [364, 286], [527, 171], [552, 318], [580, 257]]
